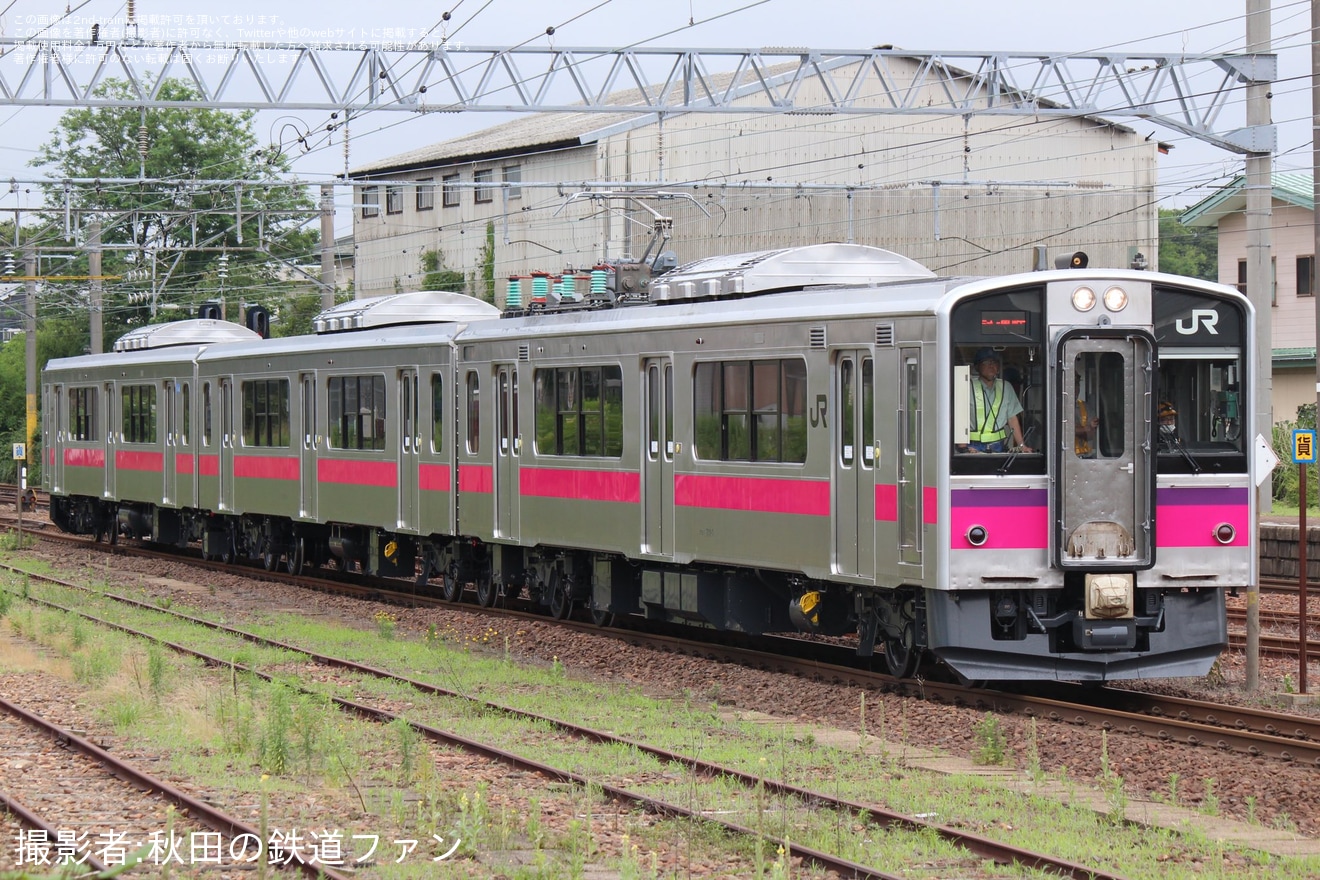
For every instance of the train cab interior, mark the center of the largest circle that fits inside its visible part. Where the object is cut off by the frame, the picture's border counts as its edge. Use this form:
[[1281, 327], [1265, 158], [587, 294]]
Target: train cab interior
[[999, 388]]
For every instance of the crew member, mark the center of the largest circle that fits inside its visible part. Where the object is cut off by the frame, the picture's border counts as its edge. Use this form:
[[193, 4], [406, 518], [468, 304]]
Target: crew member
[[995, 408]]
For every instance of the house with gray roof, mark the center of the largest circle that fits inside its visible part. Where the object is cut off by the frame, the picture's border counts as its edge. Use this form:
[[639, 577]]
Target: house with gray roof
[[1292, 243]]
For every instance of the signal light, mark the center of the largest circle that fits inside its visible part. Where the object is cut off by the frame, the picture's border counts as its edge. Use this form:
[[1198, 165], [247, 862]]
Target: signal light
[[1078, 260]]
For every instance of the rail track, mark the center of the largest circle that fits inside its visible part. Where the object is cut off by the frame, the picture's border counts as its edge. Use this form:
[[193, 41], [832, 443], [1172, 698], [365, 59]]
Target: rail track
[[106, 800], [1248, 731], [809, 799]]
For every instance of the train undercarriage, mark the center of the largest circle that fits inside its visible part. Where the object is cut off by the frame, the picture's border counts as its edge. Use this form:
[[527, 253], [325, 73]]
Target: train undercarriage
[[980, 635]]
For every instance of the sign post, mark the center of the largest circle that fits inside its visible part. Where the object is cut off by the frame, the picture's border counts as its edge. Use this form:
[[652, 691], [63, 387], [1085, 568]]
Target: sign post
[[20, 456], [1304, 450]]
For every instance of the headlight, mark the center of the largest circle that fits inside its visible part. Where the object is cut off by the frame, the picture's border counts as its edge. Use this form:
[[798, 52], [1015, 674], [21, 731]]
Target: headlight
[[1083, 299], [1116, 299]]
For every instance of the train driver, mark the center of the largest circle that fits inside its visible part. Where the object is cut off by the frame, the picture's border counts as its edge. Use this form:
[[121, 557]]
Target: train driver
[[995, 408], [1168, 417]]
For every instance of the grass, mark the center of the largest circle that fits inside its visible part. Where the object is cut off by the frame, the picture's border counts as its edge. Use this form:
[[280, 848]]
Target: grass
[[228, 730]]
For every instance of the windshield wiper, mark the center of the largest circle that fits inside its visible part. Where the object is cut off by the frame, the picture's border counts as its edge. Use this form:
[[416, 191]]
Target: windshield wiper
[[1016, 451]]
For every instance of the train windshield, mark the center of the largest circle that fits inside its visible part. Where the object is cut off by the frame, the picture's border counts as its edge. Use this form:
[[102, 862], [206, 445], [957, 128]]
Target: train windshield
[[1201, 377], [998, 393]]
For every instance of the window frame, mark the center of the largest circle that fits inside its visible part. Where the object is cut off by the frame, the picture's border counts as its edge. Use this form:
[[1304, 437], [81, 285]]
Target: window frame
[[83, 418], [138, 413], [734, 405], [449, 192], [266, 419], [511, 175], [1306, 275], [394, 198], [425, 194], [364, 429], [370, 202], [483, 186], [570, 423]]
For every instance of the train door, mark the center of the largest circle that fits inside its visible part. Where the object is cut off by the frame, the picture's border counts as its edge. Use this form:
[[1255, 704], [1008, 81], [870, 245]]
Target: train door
[[228, 439], [410, 442], [1103, 497], [854, 464], [310, 444], [658, 459], [56, 436], [113, 429], [185, 448], [169, 461], [911, 504], [507, 451]]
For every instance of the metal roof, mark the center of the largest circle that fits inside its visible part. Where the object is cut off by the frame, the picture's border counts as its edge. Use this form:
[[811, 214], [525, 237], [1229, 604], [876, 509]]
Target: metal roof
[[784, 269], [197, 331], [416, 307], [1289, 187], [543, 131]]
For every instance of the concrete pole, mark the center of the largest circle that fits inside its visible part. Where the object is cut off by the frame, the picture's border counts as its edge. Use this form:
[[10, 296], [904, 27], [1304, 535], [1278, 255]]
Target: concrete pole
[[327, 246], [94, 269], [30, 331], [1260, 288]]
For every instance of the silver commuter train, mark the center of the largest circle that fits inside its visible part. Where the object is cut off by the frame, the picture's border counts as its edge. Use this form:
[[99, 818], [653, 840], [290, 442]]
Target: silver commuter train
[[760, 442]]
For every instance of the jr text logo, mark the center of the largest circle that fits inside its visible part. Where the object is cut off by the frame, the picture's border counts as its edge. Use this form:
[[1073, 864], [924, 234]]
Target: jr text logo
[[1192, 325]]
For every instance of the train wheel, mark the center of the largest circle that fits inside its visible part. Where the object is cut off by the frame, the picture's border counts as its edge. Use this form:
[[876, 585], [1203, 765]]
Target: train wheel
[[487, 591], [901, 653], [270, 558], [296, 556], [561, 604], [600, 616], [450, 588]]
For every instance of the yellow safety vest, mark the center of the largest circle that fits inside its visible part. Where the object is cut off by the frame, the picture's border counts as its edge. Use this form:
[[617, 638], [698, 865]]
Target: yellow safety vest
[[987, 413], [1082, 443]]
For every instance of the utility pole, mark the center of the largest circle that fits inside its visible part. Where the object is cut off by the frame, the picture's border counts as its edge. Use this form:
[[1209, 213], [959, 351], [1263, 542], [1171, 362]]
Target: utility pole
[[1260, 281], [1315, 250], [30, 331], [327, 246], [94, 269]]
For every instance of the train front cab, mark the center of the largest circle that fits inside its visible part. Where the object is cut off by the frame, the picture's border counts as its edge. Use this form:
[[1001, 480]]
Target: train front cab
[[1104, 552]]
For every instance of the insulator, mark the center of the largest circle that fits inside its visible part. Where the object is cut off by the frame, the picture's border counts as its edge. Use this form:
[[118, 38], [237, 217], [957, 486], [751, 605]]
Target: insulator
[[513, 295], [540, 285], [144, 141], [600, 279]]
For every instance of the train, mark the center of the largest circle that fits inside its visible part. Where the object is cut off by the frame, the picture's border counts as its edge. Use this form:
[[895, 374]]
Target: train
[[827, 438]]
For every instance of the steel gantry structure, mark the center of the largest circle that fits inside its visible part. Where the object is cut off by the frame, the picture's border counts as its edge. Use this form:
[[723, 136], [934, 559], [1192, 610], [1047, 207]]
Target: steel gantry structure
[[1186, 93]]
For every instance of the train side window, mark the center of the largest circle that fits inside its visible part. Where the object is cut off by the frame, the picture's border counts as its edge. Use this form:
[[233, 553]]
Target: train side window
[[437, 412], [868, 413], [186, 399], [653, 412], [357, 412], [82, 414], [750, 410], [206, 413], [266, 413], [473, 412], [517, 435], [579, 411], [847, 412], [669, 410], [138, 413]]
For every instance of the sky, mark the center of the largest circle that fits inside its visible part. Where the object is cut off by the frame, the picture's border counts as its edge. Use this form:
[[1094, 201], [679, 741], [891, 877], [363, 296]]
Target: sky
[[1166, 26]]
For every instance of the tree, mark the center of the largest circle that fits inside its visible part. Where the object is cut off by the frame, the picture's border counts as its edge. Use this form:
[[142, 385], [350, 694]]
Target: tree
[[1187, 250], [179, 232], [438, 276]]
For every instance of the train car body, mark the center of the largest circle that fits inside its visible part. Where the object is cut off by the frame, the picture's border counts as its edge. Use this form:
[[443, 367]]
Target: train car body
[[776, 441]]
